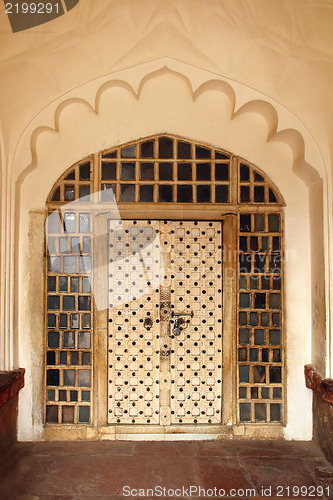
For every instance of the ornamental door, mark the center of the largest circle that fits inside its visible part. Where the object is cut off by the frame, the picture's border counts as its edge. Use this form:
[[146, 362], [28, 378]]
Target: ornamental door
[[165, 322]]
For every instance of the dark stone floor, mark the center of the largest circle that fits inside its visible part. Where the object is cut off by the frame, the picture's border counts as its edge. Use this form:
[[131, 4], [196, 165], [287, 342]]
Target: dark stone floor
[[222, 469]]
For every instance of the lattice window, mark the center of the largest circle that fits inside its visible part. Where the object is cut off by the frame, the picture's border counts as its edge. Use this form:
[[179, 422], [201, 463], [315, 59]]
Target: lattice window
[[167, 171], [260, 363], [69, 318]]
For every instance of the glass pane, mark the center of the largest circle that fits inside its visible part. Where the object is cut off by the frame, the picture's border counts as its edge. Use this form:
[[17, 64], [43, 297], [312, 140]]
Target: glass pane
[[84, 303], [70, 176], [165, 194], [85, 264], [203, 194], [147, 171], [63, 245], [184, 194], [244, 336], [51, 245], [69, 192], [243, 282], [242, 354], [51, 395], [56, 195], [86, 358], [74, 358], [69, 264], [75, 321], [73, 395], [260, 412], [265, 392], [109, 170], [277, 392], [184, 150], [264, 243], [275, 375], [259, 194], [147, 149], [259, 374], [147, 193], [276, 319], [53, 302], [68, 340], [275, 412], [221, 156], [254, 392], [74, 284], [243, 243], [244, 300], [244, 172], [54, 264], [258, 177], [86, 244], [271, 196], [245, 263], [108, 192], [84, 378], [86, 321], [63, 321], [165, 171], [244, 374], [67, 414], [274, 223], [52, 414], [128, 151], [54, 223], [242, 392], [245, 194], [277, 355], [222, 194], [245, 223], [69, 377], [264, 355], [264, 319], [127, 193], [127, 171], [84, 340], [274, 337], [62, 283], [259, 300], [245, 412], [184, 171], [254, 282], [274, 301], [85, 172], [203, 171], [69, 219], [52, 377], [253, 319], [84, 413], [265, 282], [68, 302], [63, 358], [259, 222], [53, 339], [50, 358], [112, 154], [165, 147], [85, 396], [253, 354], [84, 223], [75, 248], [259, 337], [51, 320], [221, 172], [62, 395], [86, 285], [242, 318], [259, 263], [51, 283], [202, 153], [276, 243]]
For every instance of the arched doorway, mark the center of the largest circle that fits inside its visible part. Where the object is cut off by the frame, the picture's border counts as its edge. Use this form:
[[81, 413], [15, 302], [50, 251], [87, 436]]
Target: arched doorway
[[164, 292]]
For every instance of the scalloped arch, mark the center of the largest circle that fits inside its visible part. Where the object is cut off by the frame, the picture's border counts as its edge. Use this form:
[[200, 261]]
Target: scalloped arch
[[256, 107]]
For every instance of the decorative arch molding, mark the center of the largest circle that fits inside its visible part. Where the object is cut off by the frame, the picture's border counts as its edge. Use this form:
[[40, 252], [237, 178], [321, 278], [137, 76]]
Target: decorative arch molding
[[166, 96]]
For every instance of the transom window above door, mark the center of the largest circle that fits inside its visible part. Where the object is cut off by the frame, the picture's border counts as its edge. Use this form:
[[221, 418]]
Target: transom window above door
[[166, 169]]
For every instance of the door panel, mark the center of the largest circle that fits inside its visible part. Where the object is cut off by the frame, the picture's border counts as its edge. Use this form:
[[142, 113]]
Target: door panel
[[165, 326]]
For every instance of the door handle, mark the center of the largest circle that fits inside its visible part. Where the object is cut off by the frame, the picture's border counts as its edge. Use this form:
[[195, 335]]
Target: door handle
[[179, 322]]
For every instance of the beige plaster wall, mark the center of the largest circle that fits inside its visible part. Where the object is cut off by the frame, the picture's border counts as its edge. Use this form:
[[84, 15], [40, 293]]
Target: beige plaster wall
[[254, 77]]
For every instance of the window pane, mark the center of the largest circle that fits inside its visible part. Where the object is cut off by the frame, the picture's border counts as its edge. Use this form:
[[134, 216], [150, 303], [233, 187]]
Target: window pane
[[245, 194], [128, 151], [259, 194], [52, 377], [108, 192], [85, 172], [127, 193], [147, 171], [68, 302], [147, 149], [84, 226], [184, 194], [245, 412], [221, 172], [84, 340], [69, 265], [63, 283], [127, 171], [74, 284], [53, 302], [68, 341], [165, 147], [69, 219], [165, 171], [244, 173], [69, 192], [86, 285], [84, 413], [274, 222], [84, 378], [184, 171], [53, 339], [203, 171], [202, 153], [69, 377], [184, 150], [203, 194], [244, 374], [84, 303], [165, 194], [147, 193], [67, 414], [51, 283], [109, 171]]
